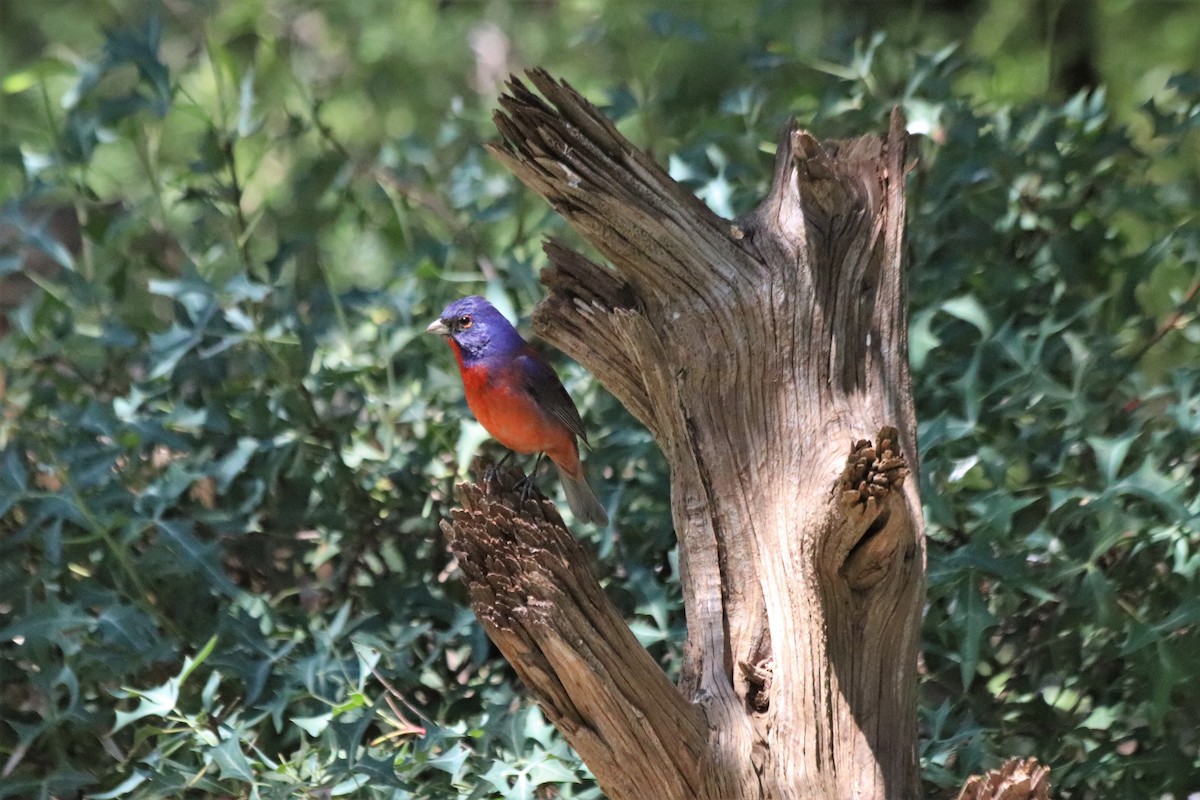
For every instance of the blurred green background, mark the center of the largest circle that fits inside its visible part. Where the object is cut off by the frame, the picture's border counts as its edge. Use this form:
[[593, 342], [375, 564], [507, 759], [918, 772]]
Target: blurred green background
[[225, 444]]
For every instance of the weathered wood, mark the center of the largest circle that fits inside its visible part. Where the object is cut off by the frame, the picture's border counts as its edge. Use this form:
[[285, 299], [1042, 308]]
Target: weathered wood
[[1017, 779], [768, 357], [533, 591]]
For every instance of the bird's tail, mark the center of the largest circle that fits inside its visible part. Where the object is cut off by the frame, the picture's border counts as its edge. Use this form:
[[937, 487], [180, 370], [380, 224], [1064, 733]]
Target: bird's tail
[[580, 497]]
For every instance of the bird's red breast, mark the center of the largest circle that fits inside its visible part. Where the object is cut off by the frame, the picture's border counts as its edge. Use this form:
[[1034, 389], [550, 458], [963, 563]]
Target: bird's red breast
[[499, 400]]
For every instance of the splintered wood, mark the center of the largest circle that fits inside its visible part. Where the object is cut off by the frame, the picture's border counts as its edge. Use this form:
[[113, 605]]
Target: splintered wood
[[531, 586], [1018, 779]]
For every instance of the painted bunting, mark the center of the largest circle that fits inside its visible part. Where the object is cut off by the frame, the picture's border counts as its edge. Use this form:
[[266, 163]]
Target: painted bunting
[[517, 396]]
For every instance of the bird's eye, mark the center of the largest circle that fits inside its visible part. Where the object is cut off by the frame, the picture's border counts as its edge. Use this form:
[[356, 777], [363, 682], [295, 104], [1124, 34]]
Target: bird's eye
[[464, 321]]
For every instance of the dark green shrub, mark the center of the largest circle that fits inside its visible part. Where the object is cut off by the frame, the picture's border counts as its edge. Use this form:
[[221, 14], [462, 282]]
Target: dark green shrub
[[225, 444]]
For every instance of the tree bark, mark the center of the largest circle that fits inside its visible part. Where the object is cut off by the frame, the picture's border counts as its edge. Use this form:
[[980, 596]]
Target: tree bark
[[768, 357]]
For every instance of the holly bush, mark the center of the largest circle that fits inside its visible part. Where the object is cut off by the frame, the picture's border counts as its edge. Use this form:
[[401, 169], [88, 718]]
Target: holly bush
[[225, 444]]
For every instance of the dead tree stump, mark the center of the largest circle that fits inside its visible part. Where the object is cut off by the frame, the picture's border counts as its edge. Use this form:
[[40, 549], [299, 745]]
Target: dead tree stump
[[768, 357]]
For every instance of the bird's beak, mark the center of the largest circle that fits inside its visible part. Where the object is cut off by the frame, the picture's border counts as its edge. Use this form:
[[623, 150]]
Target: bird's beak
[[437, 326]]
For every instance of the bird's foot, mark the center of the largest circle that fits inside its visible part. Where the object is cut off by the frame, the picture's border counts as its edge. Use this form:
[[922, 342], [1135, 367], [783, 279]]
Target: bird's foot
[[525, 486], [491, 474]]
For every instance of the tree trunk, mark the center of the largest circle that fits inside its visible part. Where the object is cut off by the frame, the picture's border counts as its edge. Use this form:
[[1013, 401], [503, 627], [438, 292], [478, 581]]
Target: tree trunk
[[768, 357]]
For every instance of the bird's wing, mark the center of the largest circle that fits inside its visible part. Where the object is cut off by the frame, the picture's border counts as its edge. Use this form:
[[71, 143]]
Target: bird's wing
[[542, 383]]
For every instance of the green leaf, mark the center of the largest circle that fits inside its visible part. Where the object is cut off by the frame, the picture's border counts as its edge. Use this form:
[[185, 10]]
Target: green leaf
[[125, 626], [379, 770], [508, 781], [451, 760], [231, 761], [192, 662], [337, 625], [350, 730], [349, 786], [1185, 615], [975, 619], [1149, 483], [169, 347], [1110, 453], [177, 534], [921, 339], [12, 477], [51, 620], [158, 701], [313, 726], [646, 633], [1139, 635], [1101, 718], [232, 464], [470, 438], [968, 309], [549, 769], [123, 788], [368, 658]]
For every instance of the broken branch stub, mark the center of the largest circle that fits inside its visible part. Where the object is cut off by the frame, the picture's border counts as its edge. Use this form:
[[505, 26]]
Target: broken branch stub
[[532, 589]]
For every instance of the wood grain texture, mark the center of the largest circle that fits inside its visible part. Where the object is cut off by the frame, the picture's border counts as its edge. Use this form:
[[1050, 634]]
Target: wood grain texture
[[537, 598], [1016, 779], [768, 357]]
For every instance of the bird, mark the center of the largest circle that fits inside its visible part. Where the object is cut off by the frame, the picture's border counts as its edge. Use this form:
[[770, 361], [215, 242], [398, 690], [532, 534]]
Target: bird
[[517, 396]]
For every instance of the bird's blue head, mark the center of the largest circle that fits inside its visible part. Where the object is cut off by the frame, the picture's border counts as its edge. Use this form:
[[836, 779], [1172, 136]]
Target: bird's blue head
[[476, 330]]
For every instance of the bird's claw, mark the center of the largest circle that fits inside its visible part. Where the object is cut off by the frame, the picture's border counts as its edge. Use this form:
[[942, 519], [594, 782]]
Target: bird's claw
[[525, 487], [491, 473]]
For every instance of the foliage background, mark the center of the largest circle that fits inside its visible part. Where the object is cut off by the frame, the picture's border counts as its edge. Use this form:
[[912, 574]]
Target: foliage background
[[225, 445]]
